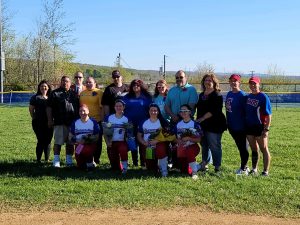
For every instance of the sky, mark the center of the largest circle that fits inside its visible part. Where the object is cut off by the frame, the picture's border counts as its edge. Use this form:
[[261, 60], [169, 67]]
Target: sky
[[231, 35]]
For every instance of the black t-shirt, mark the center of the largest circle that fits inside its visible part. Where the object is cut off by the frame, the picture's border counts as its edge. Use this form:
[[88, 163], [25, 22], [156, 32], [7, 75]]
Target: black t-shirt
[[111, 93], [64, 105], [40, 105]]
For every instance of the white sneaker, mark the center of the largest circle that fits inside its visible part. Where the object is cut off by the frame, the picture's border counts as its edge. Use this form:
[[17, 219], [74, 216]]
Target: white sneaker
[[56, 164], [254, 172], [143, 167], [242, 172], [195, 177]]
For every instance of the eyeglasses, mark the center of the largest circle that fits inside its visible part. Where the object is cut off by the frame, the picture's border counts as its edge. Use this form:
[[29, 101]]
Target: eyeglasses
[[78, 77], [184, 110], [179, 78]]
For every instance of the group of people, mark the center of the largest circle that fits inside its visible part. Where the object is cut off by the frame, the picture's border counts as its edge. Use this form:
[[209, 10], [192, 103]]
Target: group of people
[[166, 127]]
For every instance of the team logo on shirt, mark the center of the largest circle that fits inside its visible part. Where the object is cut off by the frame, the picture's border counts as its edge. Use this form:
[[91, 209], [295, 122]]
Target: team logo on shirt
[[228, 104], [252, 102]]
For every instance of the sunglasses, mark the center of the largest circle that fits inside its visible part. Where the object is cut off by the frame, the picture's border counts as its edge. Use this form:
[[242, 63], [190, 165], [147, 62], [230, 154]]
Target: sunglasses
[[179, 78], [184, 110], [115, 77], [78, 77]]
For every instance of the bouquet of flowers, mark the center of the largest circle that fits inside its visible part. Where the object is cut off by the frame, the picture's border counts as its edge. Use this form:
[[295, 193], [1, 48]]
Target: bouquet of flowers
[[190, 132], [165, 134], [87, 139], [108, 130], [130, 138]]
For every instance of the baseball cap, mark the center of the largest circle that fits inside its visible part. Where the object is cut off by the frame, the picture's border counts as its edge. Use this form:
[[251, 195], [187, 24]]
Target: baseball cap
[[254, 79], [235, 77], [115, 73]]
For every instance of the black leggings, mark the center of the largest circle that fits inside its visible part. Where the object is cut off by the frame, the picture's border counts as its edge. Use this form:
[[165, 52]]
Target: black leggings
[[240, 140], [44, 137]]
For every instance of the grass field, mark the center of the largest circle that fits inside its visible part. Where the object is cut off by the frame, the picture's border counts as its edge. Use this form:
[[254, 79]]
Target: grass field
[[27, 185]]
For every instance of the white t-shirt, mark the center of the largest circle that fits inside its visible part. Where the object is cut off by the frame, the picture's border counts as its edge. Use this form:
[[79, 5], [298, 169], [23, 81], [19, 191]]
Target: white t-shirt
[[118, 126]]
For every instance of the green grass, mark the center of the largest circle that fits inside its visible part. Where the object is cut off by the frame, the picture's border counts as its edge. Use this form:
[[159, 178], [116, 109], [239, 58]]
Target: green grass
[[25, 184]]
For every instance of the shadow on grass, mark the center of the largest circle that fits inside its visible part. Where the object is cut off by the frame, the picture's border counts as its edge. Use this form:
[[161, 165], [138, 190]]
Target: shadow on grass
[[33, 169]]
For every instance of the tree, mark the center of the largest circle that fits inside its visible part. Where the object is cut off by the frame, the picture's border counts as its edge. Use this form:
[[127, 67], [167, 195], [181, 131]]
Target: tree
[[204, 68], [56, 32], [276, 77]]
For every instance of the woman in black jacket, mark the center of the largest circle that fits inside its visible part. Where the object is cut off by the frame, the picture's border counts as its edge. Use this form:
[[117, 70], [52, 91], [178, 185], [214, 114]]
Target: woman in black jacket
[[212, 120], [37, 109]]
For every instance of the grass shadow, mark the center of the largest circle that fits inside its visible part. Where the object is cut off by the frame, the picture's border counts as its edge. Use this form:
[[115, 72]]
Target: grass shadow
[[103, 172]]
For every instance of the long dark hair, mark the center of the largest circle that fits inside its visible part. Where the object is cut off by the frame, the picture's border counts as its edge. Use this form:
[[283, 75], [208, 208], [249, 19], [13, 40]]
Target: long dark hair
[[39, 85], [161, 119], [144, 89], [156, 92]]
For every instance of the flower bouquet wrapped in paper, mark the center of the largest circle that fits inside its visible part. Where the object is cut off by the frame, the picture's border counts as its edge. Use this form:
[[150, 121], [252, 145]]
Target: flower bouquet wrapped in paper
[[187, 132], [130, 138], [165, 135], [108, 131]]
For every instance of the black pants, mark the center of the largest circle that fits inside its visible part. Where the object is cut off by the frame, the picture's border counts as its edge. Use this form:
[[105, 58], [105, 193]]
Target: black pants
[[44, 136], [240, 140]]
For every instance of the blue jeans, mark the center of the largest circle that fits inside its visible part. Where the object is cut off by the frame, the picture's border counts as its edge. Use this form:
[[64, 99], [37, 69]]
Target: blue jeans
[[212, 148]]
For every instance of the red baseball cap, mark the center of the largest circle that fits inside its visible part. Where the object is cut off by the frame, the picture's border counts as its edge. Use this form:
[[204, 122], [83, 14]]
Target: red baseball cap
[[255, 80], [235, 76]]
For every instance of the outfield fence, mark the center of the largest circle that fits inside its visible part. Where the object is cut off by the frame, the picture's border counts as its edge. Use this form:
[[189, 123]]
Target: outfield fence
[[278, 99]]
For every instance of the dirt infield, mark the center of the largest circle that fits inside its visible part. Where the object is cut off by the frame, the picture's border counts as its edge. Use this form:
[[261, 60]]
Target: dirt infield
[[176, 216]]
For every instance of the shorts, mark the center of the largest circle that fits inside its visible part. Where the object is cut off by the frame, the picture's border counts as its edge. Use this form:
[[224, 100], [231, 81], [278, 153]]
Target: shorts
[[61, 134], [255, 130]]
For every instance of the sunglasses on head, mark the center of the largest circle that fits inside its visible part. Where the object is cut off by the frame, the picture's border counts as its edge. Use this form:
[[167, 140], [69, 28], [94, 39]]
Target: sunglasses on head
[[184, 110]]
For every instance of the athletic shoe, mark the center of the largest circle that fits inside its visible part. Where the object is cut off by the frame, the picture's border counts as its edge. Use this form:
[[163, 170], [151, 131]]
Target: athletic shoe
[[203, 168], [56, 164], [254, 172], [124, 171], [265, 173], [69, 164], [173, 169], [143, 167], [243, 172], [195, 177]]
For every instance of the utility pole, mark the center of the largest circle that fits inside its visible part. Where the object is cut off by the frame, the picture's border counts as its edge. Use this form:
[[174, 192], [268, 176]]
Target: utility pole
[[2, 58], [252, 73], [119, 61], [164, 67]]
